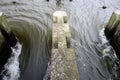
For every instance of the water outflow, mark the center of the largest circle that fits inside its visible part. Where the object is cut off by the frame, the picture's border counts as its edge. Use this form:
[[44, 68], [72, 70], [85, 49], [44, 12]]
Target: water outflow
[[109, 56], [11, 68], [31, 21], [107, 51]]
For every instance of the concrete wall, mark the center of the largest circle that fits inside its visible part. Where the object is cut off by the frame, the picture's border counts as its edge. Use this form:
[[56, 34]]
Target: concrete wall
[[3, 25]]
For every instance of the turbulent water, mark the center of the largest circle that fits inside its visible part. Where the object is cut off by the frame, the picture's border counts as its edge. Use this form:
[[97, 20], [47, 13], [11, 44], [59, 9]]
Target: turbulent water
[[11, 68], [31, 21]]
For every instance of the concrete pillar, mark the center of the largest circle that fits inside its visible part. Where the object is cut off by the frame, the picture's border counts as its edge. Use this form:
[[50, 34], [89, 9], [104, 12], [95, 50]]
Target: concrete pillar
[[63, 60], [3, 21], [3, 25], [112, 24]]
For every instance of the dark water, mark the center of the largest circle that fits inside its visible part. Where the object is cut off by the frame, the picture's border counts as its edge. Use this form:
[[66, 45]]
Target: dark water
[[31, 21]]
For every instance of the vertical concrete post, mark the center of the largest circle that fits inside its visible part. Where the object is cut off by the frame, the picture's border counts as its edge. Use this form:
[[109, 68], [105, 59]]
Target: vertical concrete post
[[112, 24], [63, 62], [3, 25]]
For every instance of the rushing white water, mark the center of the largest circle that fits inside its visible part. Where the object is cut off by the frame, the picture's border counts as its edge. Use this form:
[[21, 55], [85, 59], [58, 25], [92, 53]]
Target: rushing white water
[[103, 37], [11, 69], [109, 55], [107, 47], [31, 20]]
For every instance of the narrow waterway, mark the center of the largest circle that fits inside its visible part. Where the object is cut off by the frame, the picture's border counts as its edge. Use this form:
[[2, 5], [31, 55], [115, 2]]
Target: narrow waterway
[[31, 21]]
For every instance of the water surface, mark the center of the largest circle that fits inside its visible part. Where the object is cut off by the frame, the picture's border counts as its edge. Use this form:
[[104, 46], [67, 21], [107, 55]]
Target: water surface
[[31, 21]]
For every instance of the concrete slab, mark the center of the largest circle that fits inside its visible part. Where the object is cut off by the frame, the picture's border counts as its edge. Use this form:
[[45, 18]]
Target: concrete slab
[[63, 60]]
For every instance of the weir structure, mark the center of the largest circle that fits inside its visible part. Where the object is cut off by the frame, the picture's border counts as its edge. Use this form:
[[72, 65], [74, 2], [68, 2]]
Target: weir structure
[[63, 60], [112, 31]]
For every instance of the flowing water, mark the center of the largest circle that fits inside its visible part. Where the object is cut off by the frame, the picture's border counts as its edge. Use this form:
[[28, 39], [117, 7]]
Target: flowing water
[[11, 68], [31, 21]]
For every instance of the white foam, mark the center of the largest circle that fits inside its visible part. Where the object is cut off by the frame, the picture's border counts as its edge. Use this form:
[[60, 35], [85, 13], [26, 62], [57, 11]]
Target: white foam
[[108, 50], [103, 37], [12, 66]]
